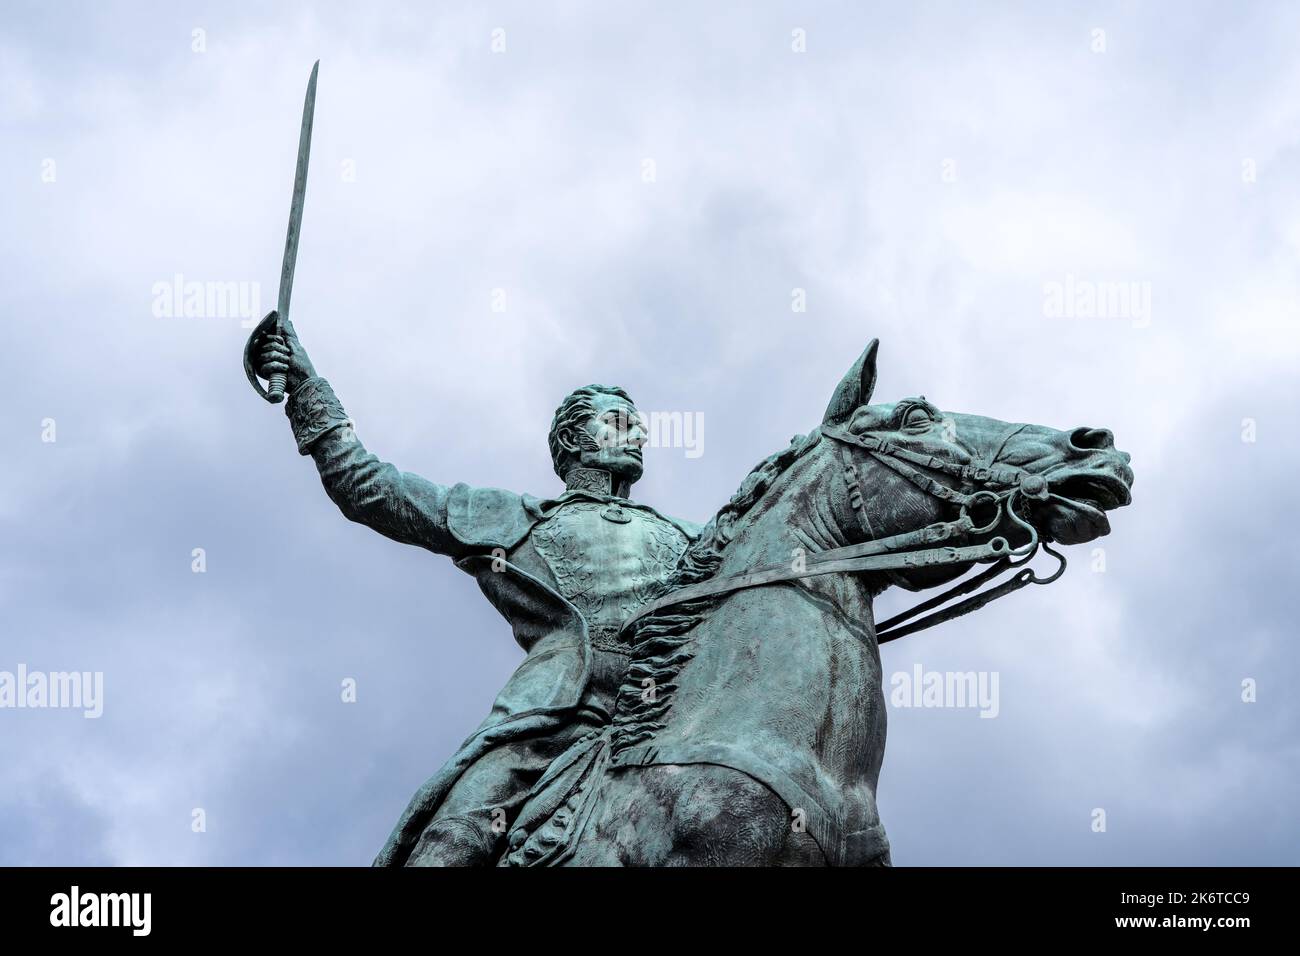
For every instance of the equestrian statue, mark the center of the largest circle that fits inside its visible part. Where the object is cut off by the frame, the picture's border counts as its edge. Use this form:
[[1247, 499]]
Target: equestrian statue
[[700, 695]]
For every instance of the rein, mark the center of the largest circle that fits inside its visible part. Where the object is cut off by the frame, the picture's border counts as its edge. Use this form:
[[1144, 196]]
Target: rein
[[912, 550]]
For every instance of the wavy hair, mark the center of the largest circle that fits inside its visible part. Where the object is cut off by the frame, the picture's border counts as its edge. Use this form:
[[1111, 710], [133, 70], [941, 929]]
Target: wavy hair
[[573, 413]]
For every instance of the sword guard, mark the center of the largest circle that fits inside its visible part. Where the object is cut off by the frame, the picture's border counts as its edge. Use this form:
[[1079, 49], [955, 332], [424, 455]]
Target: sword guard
[[275, 392]]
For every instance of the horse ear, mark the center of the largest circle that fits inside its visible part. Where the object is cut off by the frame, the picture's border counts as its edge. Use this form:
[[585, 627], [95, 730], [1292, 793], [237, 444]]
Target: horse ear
[[855, 388]]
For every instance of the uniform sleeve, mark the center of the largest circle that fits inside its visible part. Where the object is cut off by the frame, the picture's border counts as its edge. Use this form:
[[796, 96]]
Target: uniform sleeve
[[397, 504]]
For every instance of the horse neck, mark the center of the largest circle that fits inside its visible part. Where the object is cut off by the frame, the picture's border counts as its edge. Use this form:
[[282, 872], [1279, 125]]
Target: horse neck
[[807, 508], [801, 511]]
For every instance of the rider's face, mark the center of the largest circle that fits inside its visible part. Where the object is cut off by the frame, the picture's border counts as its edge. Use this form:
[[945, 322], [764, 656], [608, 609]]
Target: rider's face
[[614, 437]]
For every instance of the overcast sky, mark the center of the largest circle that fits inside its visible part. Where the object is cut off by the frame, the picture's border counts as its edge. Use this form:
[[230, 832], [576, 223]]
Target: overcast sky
[[643, 187]]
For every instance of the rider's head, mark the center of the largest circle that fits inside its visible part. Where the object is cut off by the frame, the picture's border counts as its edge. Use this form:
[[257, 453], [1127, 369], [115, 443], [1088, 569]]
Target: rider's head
[[598, 427]]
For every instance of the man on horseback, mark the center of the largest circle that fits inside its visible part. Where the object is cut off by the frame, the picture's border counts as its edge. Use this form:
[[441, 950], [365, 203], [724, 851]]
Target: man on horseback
[[565, 572]]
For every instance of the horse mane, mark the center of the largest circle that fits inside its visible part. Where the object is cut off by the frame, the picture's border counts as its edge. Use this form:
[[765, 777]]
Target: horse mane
[[662, 638], [701, 560]]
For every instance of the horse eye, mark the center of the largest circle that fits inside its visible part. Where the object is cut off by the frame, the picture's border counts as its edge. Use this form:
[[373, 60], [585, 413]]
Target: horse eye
[[917, 416]]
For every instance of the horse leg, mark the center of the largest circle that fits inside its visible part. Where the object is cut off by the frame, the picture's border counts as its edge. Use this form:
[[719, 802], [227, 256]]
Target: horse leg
[[692, 815]]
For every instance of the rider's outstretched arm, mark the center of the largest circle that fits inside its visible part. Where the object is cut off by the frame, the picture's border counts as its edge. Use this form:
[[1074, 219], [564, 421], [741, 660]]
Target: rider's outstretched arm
[[401, 505]]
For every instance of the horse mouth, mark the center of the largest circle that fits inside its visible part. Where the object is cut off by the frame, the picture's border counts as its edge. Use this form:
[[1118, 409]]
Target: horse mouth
[[1098, 491], [1078, 504]]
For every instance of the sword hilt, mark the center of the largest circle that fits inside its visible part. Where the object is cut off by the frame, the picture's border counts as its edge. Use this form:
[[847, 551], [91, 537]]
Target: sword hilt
[[275, 390], [270, 325]]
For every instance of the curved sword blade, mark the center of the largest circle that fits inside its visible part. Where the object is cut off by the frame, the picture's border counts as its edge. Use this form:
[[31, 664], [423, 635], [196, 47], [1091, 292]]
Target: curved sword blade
[[299, 193]]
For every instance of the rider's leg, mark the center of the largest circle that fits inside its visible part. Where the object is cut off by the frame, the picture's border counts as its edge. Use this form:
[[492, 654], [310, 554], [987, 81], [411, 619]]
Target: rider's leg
[[470, 825]]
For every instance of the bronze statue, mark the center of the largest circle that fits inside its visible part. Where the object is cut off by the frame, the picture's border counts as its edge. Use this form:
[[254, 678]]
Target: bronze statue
[[713, 697], [701, 696]]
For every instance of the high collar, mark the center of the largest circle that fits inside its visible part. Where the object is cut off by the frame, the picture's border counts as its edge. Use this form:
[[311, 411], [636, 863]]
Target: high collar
[[596, 481]]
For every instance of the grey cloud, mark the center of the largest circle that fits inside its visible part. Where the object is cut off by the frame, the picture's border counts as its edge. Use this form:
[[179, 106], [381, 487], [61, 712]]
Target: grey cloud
[[522, 171]]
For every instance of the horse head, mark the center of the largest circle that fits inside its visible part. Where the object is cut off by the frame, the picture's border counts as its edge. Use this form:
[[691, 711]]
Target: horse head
[[915, 464]]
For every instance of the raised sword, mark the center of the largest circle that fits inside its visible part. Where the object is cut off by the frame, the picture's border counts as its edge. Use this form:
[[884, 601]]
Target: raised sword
[[274, 321]]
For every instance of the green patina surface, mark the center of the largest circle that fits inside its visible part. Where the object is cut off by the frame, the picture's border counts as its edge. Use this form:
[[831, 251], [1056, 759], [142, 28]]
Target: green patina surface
[[702, 695]]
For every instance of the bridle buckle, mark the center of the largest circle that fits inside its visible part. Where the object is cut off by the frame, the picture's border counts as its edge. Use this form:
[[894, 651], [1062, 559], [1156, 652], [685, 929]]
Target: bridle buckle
[[1034, 486]]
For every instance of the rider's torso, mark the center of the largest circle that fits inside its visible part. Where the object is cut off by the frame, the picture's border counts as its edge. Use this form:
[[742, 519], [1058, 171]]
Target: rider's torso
[[605, 557]]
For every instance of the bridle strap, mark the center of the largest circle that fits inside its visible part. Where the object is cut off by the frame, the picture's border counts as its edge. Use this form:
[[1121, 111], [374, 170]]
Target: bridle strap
[[1016, 482], [893, 628], [901, 460], [964, 587], [906, 551], [836, 561]]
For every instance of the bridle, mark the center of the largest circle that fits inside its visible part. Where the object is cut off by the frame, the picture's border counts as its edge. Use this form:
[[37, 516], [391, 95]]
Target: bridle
[[989, 485], [1002, 488]]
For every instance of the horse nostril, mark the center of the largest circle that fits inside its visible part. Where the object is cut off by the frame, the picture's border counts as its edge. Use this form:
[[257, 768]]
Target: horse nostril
[[1092, 439]]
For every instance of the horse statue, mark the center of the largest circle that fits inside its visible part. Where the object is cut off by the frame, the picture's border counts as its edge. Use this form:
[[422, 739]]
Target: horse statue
[[750, 726]]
